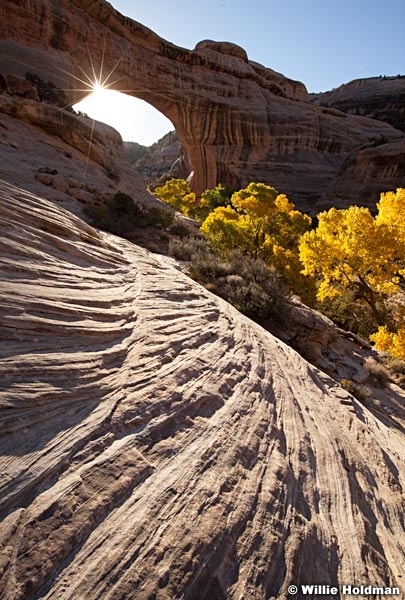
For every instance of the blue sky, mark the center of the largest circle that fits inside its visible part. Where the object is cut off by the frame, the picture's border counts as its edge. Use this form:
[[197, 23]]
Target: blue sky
[[321, 43]]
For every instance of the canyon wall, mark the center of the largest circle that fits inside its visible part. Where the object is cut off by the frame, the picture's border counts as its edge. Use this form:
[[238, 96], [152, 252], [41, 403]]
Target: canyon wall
[[380, 98], [237, 120]]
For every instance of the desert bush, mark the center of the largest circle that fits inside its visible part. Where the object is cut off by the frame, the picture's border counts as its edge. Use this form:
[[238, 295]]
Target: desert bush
[[397, 365], [118, 215], [186, 248], [121, 215], [377, 372], [179, 229], [245, 282], [207, 267], [251, 299], [158, 217], [122, 204], [358, 390], [98, 215]]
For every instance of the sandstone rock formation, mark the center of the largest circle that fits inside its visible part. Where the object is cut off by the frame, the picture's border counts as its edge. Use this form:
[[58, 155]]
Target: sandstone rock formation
[[157, 444], [65, 157], [380, 166], [373, 169], [237, 120], [158, 162], [381, 98]]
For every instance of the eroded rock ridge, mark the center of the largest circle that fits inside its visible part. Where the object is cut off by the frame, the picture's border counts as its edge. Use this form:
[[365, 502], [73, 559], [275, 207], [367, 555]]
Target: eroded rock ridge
[[155, 443]]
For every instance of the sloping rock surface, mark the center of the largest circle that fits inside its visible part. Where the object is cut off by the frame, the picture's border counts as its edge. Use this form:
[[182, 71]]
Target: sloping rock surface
[[71, 160], [237, 120], [157, 444]]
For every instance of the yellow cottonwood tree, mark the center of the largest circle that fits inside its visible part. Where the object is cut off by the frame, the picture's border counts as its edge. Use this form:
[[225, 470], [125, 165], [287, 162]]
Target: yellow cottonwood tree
[[350, 250], [391, 211], [392, 342], [226, 231], [263, 224], [177, 193], [212, 199]]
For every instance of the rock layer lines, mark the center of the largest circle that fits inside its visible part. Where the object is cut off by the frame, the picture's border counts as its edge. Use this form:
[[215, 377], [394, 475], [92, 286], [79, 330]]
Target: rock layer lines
[[157, 444]]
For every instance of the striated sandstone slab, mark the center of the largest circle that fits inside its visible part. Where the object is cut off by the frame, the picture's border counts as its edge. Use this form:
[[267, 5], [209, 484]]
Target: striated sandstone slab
[[157, 444]]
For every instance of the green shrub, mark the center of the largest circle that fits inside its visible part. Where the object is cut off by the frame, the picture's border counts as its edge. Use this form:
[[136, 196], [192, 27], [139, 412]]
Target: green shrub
[[158, 217], [121, 215], [123, 205]]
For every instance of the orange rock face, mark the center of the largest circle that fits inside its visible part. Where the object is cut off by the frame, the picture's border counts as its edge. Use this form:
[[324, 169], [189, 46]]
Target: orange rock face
[[237, 120]]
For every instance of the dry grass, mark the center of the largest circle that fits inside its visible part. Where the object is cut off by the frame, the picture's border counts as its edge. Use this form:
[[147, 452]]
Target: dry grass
[[358, 390], [378, 374]]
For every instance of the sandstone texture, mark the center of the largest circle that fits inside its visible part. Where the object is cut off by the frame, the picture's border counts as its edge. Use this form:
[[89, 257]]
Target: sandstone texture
[[370, 171], [71, 160], [160, 161], [381, 98], [157, 444], [237, 120]]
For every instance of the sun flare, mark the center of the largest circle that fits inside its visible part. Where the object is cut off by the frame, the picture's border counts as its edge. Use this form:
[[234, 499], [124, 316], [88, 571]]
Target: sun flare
[[102, 99], [97, 87]]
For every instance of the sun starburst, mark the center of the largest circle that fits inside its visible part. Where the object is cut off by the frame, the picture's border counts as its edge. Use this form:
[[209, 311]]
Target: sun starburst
[[97, 81], [97, 87]]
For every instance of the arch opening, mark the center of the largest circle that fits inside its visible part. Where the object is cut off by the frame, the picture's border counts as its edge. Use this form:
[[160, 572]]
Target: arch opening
[[135, 119]]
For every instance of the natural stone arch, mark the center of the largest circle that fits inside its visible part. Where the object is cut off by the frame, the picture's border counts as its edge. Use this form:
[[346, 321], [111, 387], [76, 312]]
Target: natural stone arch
[[237, 120], [206, 93]]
